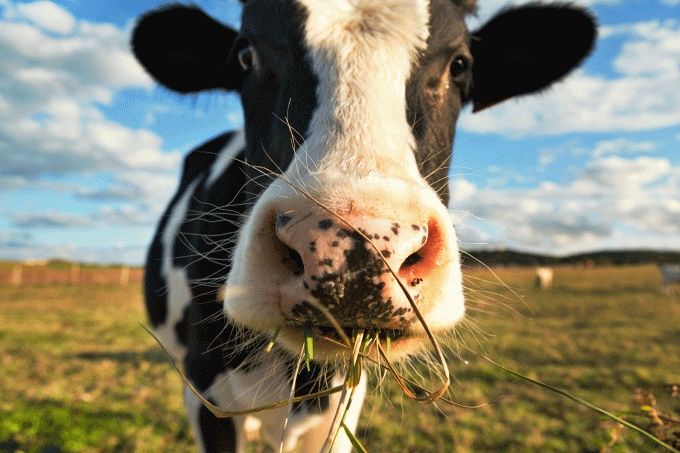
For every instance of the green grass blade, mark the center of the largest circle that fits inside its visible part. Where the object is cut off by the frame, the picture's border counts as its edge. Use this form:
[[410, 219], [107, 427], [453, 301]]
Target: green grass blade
[[352, 438], [309, 346], [589, 406]]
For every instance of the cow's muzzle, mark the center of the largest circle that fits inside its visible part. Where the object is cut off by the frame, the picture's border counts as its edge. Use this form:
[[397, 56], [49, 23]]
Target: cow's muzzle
[[344, 267]]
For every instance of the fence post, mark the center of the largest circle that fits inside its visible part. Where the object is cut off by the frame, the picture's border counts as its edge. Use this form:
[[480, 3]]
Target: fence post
[[16, 275], [125, 275]]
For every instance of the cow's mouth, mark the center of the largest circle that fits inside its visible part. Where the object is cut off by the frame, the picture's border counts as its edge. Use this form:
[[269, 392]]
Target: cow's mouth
[[384, 335], [327, 338]]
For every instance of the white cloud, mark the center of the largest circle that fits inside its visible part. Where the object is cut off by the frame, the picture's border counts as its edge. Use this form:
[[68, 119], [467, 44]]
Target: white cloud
[[51, 219], [643, 97], [622, 146], [655, 52], [57, 71], [49, 96], [48, 16], [125, 215], [613, 202], [487, 8], [625, 174], [613, 147], [149, 189], [55, 138], [547, 156], [23, 247], [461, 189], [68, 137]]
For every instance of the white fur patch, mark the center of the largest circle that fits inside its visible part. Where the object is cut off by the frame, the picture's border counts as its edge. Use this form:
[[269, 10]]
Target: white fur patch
[[177, 283], [362, 53], [226, 157], [241, 390]]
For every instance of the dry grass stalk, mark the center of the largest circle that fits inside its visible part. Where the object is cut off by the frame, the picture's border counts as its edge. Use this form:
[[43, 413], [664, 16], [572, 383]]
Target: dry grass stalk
[[292, 395], [351, 381]]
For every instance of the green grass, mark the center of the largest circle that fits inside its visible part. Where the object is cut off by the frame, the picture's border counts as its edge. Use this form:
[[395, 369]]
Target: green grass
[[77, 373]]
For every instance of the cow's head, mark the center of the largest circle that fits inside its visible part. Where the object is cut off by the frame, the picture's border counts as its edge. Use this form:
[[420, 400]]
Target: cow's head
[[355, 102]]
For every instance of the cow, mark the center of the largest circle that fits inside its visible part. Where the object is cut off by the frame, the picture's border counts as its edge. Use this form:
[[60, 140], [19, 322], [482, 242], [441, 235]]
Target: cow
[[341, 169], [670, 274], [544, 278]]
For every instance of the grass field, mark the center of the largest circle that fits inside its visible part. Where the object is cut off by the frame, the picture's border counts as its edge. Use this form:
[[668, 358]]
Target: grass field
[[77, 373]]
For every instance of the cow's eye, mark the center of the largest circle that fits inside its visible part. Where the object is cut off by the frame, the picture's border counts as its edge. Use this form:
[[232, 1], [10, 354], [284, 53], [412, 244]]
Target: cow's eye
[[246, 58], [458, 66]]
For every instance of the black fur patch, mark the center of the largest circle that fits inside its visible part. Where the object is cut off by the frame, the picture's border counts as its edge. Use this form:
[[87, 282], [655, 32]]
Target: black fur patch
[[218, 434]]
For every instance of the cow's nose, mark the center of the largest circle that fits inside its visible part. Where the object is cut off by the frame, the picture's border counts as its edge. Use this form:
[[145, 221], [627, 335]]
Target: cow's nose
[[335, 265]]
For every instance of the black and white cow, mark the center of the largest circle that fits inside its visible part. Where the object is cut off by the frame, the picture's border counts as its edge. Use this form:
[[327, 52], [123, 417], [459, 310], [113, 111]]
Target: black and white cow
[[355, 101]]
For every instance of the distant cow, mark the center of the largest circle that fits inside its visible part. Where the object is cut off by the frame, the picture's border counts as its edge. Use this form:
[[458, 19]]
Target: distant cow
[[355, 103], [544, 277], [670, 274]]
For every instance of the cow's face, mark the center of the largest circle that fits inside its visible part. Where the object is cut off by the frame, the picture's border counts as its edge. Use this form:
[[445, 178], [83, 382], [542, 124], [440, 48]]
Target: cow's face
[[280, 88], [355, 104], [344, 71]]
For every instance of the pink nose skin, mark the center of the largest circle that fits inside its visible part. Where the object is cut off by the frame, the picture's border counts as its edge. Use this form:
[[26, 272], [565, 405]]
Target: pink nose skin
[[333, 265]]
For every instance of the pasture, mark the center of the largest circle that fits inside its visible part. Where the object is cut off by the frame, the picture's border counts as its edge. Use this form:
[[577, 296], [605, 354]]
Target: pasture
[[78, 373]]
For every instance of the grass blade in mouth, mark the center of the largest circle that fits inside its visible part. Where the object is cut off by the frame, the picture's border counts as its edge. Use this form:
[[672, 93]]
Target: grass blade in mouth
[[351, 381], [309, 345], [273, 340], [334, 322]]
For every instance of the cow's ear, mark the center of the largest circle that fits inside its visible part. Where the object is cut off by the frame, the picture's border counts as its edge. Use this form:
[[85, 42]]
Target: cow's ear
[[186, 50], [525, 49]]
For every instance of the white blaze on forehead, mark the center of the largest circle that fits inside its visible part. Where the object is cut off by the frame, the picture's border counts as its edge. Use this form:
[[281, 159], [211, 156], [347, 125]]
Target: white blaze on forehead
[[362, 53]]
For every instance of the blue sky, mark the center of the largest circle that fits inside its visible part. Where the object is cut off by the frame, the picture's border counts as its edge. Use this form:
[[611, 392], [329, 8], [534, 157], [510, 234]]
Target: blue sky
[[90, 148]]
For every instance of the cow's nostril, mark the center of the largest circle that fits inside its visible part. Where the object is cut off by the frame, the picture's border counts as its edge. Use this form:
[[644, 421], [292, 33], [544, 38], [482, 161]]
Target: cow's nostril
[[411, 260], [295, 260], [425, 239]]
